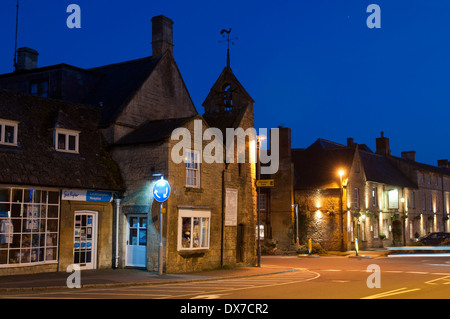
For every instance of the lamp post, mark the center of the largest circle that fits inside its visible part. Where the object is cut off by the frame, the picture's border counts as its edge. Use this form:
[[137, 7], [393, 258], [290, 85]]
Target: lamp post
[[341, 210], [404, 221], [258, 211]]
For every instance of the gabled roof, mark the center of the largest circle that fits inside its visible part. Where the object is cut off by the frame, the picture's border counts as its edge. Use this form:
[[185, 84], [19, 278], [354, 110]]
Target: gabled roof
[[34, 162], [118, 84], [154, 131], [379, 169], [227, 75]]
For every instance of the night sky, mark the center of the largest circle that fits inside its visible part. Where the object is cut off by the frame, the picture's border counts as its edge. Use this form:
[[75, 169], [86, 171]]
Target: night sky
[[313, 66]]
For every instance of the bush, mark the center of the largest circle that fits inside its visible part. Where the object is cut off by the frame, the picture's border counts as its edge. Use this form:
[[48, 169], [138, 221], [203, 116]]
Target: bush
[[317, 249]]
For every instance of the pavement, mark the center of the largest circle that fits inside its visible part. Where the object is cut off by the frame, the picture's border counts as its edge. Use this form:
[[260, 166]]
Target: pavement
[[128, 277]]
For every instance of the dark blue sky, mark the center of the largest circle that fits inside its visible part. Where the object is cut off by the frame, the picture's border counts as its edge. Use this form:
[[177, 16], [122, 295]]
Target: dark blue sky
[[313, 66]]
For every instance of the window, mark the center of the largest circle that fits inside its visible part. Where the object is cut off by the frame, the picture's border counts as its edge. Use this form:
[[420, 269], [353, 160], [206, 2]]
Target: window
[[39, 88], [193, 229], [424, 206], [8, 132], [422, 178], [66, 140], [412, 200], [262, 202], [356, 197], [431, 203], [375, 197], [192, 168], [29, 226]]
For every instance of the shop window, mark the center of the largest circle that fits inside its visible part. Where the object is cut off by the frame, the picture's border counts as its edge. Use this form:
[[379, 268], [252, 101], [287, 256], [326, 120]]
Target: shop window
[[29, 226], [8, 132], [66, 140], [193, 229]]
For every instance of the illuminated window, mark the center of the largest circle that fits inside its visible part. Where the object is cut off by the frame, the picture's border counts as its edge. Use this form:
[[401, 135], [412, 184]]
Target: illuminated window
[[356, 197], [66, 140], [192, 162], [375, 196], [8, 132], [29, 226], [193, 229]]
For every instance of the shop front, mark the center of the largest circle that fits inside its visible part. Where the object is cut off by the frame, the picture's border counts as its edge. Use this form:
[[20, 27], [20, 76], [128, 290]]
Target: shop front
[[29, 229]]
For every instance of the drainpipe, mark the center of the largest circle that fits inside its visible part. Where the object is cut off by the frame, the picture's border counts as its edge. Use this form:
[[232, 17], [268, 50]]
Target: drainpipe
[[116, 255]]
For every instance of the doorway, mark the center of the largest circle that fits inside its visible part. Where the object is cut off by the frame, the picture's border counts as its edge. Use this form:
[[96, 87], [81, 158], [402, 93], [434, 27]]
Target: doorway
[[136, 240], [85, 239]]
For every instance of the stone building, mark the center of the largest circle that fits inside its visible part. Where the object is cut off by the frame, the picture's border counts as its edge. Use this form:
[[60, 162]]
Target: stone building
[[375, 198], [427, 207], [57, 184], [209, 218]]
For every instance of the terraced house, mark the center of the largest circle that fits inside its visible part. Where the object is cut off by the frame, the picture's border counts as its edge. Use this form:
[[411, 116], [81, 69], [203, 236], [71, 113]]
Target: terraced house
[[340, 193]]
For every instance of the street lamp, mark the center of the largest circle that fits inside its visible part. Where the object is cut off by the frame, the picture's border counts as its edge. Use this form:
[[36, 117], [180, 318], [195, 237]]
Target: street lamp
[[341, 210]]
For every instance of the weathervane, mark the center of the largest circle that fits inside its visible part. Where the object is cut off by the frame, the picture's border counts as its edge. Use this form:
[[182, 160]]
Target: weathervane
[[226, 35]]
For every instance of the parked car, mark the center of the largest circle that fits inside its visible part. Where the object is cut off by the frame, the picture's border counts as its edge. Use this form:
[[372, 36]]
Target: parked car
[[434, 239]]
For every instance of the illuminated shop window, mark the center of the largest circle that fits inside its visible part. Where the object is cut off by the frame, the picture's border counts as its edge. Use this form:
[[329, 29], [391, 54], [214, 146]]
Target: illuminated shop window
[[29, 226]]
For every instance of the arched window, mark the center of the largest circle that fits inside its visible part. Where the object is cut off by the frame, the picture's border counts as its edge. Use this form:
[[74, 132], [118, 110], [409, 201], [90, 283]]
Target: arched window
[[228, 97]]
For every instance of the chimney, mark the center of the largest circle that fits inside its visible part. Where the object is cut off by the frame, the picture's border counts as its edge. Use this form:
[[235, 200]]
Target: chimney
[[162, 35], [383, 145], [26, 59], [443, 163], [350, 142], [410, 155], [284, 142]]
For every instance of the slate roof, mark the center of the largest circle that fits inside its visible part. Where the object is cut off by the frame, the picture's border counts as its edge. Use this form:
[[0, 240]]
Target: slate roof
[[118, 84], [317, 166], [154, 131], [425, 167], [379, 169], [34, 162]]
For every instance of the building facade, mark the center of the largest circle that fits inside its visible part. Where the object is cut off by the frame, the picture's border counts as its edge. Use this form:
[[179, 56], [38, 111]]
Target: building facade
[[209, 218], [57, 185]]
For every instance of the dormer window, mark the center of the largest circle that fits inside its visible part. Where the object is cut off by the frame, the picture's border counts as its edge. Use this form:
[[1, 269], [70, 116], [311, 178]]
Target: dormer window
[[66, 140], [8, 132]]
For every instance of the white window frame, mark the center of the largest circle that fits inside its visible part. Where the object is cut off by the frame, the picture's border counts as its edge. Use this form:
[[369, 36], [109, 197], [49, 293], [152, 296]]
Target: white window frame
[[196, 171], [13, 124], [67, 133], [188, 213]]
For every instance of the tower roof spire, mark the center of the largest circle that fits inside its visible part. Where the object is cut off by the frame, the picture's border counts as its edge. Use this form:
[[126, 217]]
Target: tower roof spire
[[226, 35]]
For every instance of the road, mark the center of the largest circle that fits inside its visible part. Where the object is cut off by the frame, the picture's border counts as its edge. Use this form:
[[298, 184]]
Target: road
[[309, 278]]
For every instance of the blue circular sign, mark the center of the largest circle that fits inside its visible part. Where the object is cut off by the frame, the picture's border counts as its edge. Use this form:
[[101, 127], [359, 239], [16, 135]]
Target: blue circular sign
[[161, 190]]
